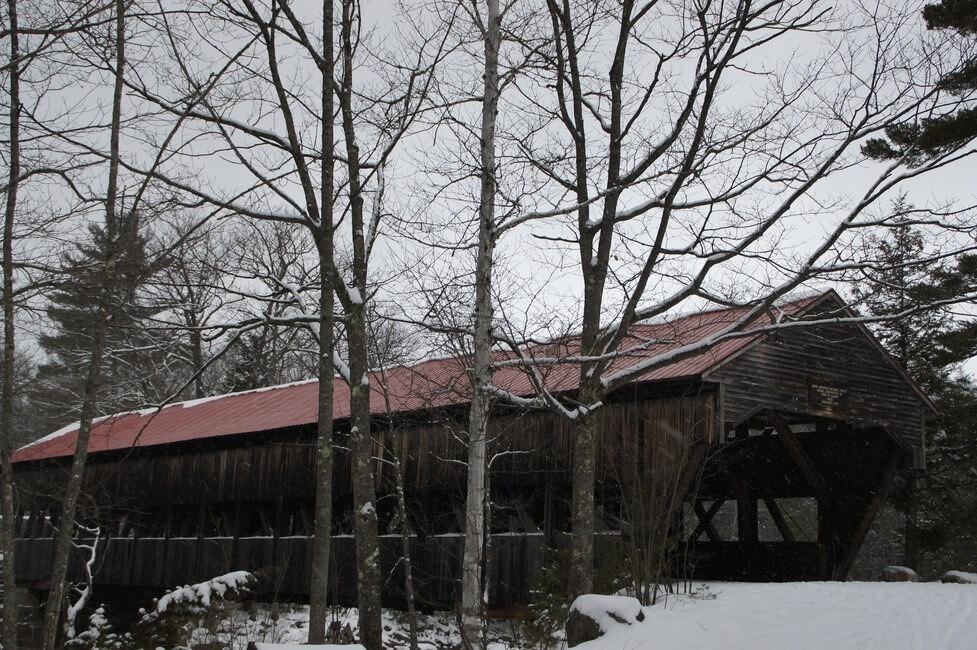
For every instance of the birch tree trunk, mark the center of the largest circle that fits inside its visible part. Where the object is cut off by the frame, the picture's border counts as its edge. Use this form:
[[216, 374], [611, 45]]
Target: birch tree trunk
[[319, 581], [473, 563], [8, 633], [52, 614]]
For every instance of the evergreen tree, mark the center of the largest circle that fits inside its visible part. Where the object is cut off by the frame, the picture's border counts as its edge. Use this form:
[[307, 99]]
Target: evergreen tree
[[940, 504], [960, 342], [897, 285], [267, 356], [249, 363], [936, 135], [103, 275]]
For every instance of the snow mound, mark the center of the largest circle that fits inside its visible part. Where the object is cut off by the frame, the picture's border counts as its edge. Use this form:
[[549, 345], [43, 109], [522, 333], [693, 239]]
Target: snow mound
[[288, 646], [899, 574], [608, 611], [203, 593], [960, 577]]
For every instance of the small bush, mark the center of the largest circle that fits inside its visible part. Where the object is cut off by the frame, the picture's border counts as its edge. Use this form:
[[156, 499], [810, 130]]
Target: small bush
[[100, 635], [544, 616]]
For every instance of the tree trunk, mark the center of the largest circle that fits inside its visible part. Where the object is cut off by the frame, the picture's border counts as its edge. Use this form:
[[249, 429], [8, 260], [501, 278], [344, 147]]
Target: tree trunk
[[8, 633], [364, 489], [581, 578], [911, 533], [197, 353], [52, 615], [361, 445], [473, 563], [66, 523], [595, 265], [319, 580], [397, 444]]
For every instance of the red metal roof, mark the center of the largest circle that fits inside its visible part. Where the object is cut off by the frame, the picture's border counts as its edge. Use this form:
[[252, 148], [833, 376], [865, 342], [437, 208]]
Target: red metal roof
[[428, 384]]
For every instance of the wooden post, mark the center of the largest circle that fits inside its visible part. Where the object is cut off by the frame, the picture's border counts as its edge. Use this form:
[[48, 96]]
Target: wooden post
[[32, 524], [196, 566], [167, 535], [825, 539], [308, 526], [201, 520], [134, 545], [747, 522], [276, 547], [236, 532]]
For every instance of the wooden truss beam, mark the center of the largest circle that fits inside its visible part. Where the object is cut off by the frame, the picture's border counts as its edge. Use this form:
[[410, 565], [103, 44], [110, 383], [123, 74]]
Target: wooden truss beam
[[690, 471], [779, 520], [803, 460], [705, 520]]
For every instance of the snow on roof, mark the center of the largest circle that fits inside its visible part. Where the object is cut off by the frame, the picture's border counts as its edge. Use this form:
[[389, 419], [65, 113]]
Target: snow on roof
[[432, 383]]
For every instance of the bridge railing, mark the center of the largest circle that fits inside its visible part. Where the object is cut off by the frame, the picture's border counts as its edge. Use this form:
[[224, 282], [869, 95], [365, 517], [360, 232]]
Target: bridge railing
[[284, 564]]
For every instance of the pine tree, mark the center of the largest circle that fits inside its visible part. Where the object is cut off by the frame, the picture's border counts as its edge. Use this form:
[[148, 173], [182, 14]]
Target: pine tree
[[73, 311], [897, 285], [960, 342], [937, 135], [937, 504], [249, 364]]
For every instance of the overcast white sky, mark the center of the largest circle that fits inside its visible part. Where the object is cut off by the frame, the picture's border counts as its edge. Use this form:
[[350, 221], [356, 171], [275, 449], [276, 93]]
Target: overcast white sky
[[535, 276]]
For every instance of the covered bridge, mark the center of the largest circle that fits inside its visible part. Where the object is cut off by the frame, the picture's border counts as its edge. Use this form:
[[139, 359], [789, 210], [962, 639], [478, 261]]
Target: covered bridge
[[759, 433]]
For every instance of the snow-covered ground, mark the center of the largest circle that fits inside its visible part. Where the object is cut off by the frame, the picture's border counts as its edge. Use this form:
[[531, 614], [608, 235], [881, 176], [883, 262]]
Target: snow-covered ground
[[235, 627], [801, 615], [731, 616]]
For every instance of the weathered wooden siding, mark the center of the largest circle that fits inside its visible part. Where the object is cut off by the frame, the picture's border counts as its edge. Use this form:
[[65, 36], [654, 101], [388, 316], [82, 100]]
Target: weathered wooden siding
[[831, 370], [280, 465], [184, 513]]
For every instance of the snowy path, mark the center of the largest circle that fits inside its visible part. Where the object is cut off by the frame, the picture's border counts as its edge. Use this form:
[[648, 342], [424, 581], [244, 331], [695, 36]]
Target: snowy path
[[813, 615]]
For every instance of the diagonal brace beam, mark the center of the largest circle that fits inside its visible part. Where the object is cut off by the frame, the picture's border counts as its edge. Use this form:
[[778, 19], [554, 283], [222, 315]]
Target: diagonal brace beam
[[803, 460], [779, 520], [705, 520]]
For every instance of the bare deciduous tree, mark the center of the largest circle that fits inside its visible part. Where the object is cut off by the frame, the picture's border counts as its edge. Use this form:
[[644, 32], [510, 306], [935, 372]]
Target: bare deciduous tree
[[674, 162], [8, 634], [473, 590], [52, 614], [276, 156]]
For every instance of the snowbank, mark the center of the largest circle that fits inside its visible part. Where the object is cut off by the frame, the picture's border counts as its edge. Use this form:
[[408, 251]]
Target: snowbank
[[608, 611], [899, 574], [592, 615], [806, 616], [960, 577]]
